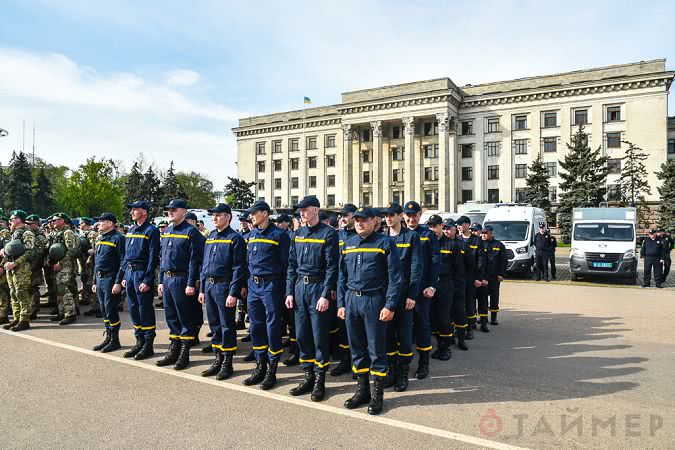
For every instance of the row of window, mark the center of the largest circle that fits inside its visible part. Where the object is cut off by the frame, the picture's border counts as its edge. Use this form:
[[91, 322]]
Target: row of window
[[330, 201], [295, 163], [295, 182], [294, 144], [671, 146]]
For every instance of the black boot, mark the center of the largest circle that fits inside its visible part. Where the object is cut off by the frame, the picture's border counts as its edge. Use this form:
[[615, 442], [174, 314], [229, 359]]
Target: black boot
[[377, 400], [461, 344], [208, 348], [215, 367], [483, 325], [423, 366], [172, 355], [11, 324], [56, 317], [270, 377], [226, 369], [362, 395], [133, 351], [469, 332], [451, 338], [390, 379], [402, 376], [183, 356], [22, 325], [434, 354], [306, 385], [319, 391], [92, 312], [344, 366], [239, 324], [246, 338], [114, 343], [106, 340], [68, 320], [493, 318], [3, 319], [444, 352], [250, 357], [293, 356], [147, 350], [258, 373]]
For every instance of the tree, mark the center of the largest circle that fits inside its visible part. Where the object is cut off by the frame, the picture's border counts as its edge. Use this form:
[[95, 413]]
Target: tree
[[43, 194], [198, 189], [20, 183], [133, 184], [584, 179], [667, 195], [92, 190], [537, 185], [151, 192], [633, 183], [170, 188], [4, 188], [238, 193]]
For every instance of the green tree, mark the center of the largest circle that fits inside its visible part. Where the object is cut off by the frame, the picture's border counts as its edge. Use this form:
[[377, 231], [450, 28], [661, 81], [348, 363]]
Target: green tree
[[537, 185], [20, 183], [43, 194], [133, 184], [238, 193], [667, 196], [584, 179], [633, 183], [91, 190], [4, 188], [151, 192], [170, 188], [198, 189]]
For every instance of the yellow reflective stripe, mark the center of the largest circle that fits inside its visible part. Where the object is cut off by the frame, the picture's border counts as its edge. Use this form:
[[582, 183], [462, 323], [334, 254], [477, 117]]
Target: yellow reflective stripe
[[378, 374], [445, 335], [473, 246], [186, 338], [322, 365], [334, 331], [139, 236], [341, 243], [272, 352], [177, 236], [105, 320], [292, 339], [219, 241], [116, 323], [363, 250], [494, 310], [405, 354], [394, 353], [424, 349], [462, 252], [446, 251], [461, 326], [261, 347], [424, 238], [495, 248], [228, 349], [172, 336], [403, 245], [355, 370], [307, 360], [482, 315], [471, 317], [266, 241], [343, 346], [109, 244], [311, 240], [148, 328]]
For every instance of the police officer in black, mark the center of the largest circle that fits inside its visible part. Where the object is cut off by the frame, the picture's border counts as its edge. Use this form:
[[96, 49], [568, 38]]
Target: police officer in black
[[312, 276], [492, 262], [223, 273], [541, 243], [369, 289], [459, 321], [654, 252], [108, 257], [668, 247], [550, 253], [181, 256]]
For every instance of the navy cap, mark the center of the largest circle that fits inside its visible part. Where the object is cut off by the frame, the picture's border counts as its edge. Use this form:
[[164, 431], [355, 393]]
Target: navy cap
[[435, 219], [412, 208], [243, 217], [348, 208], [87, 220], [139, 204], [449, 222], [332, 221], [393, 208], [177, 203], [380, 212], [653, 231], [308, 201], [283, 218], [163, 223], [190, 216], [106, 216], [260, 205], [487, 228], [462, 220], [365, 212], [220, 208], [323, 216], [476, 226]]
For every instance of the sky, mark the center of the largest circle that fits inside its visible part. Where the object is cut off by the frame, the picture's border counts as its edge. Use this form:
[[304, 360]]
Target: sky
[[170, 79]]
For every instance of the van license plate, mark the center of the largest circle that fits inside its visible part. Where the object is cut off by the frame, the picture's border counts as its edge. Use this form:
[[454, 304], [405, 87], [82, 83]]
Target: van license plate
[[602, 264]]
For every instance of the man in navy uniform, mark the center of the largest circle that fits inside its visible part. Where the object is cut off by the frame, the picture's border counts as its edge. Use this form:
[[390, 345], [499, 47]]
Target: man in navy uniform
[[108, 257], [141, 256], [268, 247], [492, 262], [399, 330], [431, 258], [367, 300], [471, 264], [181, 256], [223, 274], [654, 253], [312, 276], [458, 261]]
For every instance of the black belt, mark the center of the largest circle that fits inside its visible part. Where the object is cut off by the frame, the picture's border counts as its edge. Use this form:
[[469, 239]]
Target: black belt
[[306, 279], [368, 292], [136, 267], [264, 278], [216, 280], [102, 274], [173, 274]]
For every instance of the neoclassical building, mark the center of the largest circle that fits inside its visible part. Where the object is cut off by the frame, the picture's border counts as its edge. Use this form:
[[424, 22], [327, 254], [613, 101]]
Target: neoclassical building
[[443, 145]]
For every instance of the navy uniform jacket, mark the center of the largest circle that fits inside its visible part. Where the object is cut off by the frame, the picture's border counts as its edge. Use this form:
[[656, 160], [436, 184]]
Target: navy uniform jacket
[[182, 250], [410, 250], [541, 243], [314, 253], [653, 249], [492, 260], [225, 257], [109, 254], [268, 251], [471, 260], [431, 257], [452, 258], [142, 249], [363, 265], [343, 235]]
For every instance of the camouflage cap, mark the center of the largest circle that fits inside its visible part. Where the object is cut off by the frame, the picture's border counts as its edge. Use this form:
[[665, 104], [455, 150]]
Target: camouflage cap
[[20, 213], [4, 218], [60, 215]]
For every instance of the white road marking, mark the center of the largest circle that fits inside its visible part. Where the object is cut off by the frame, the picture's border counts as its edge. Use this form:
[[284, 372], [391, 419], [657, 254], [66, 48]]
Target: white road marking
[[524, 348], [282, 398]]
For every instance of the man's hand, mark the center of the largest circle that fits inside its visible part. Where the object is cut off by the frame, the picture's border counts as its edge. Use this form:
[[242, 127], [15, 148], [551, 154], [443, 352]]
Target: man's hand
[[409, 304], [91, 251], [117, 288], [477, 283], [202, 298], [342, 312], [322, 304], [386, 315], [10, 266], [93, 288], [500, 278], [289, 301], [484, 282], [429, 292], [160, 289], [189, 291], [56, 267], [124, 284], [231, 301]]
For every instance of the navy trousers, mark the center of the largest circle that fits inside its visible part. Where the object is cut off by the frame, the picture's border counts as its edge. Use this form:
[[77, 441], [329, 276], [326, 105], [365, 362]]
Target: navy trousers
[[367, 334], [266, 309], [441, 307], [182, 311], [312, 327], [400, 331], [108, 301], [141, 309], [470, 298], [421, 324], [221, 318]]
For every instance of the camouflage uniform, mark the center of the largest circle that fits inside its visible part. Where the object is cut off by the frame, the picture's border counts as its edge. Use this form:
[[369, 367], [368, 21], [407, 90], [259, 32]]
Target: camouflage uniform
[[87, 271], [66, 285], [50, 278], [19, 278], [5, 236], [39, 252]]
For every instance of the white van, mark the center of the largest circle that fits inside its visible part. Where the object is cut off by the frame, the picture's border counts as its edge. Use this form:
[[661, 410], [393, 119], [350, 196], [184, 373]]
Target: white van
[[515, 226]]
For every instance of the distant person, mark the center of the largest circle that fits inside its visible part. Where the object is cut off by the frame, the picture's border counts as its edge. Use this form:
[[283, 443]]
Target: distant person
[[550, 252], [667, 241], [541, 243], [654, 253]]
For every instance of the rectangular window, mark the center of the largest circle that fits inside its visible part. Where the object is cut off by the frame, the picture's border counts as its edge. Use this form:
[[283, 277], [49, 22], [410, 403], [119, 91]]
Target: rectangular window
[[580, 117], [520, 146], [330, 141], [552, 168], [277, 183], [467, 173], [520, 123], [614, 140], [330, 161], [261, 166], [330, 200], [613, 113], [553, 193], [521, 195], [431, 151], [276, 147], [614, 166], [397, 197], [467, 150], [294, 200], [277, 165], [365, 135], [428, 173], [671, 146], [260, 148], [365, 199], [430, 197], [312, 182], [550, 119], [436, 173], [366, 177], [295, 163], [521, 170], [396, 132], [294, 145], [467, 195], [427, 128], [493, 172], [365, 155], [493, 125], [397, 154], [277, 202], [311, 162], [613, 193], [330, 181], [295, 183], [493, 195], [492, 148], [397, 175], [311, 143], [261, 185], [467, 127], [550, 144]]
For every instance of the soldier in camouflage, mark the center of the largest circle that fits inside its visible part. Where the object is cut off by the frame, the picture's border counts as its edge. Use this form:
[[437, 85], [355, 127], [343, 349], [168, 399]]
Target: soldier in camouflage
[[5, 236], [50, 278], [65, 269], [39, 252], [86, 261], [18, 272]]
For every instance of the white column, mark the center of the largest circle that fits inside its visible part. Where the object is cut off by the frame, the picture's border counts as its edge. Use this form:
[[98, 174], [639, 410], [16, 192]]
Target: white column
[[321, 166], [269, 174], [409, 178], [386, 174], [453, 168], [377, 162], [356, 173], [444, 175], [303, 165], [346, 164]]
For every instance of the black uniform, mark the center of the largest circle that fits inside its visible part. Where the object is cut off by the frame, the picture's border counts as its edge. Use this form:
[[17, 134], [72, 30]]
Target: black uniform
[[653, 251], [492, 261], [668, 247], [448, 309], [470, 275], [541, 243], [550, 253]]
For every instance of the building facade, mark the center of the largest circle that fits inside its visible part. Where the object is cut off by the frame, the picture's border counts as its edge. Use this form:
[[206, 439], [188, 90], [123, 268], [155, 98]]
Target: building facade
[[443, 145]]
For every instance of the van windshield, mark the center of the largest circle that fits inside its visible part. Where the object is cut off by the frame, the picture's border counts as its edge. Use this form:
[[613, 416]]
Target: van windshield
[[622, 232], [509, 231]]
